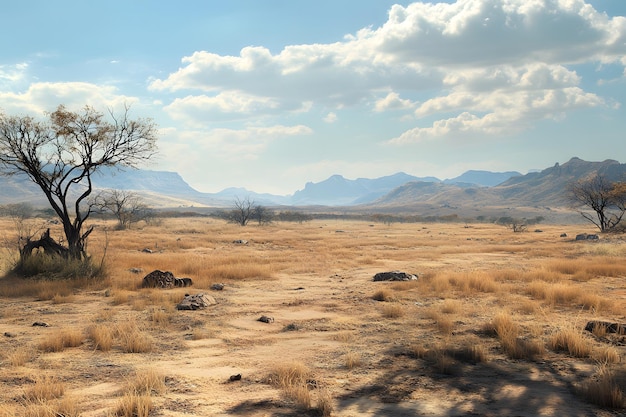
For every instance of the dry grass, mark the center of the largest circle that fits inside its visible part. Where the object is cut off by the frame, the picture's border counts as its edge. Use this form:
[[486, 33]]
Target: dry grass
[[292, 379], [572, 341], [20, 357], [536, 280], [384, 294], [353, 360], [392, 311], [61, 339], [146, 382], [133, 405], [44, 389], [102, 336], [603, 390]]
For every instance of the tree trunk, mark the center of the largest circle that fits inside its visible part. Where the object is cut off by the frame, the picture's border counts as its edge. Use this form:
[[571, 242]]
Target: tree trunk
[[49, 246]]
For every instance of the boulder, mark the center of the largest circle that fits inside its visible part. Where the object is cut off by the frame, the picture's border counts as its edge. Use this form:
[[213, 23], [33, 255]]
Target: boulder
[[609, 326], [183, 282], [585, 236], [196, 302], [158, 279], [394, 276]]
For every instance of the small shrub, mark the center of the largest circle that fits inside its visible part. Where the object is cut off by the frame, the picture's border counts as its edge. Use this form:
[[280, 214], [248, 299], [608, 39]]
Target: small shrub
[[133, 404], [393, 311], [102, 336], [602, 390], [291, 378], [58, 341], [383, 295], [19, 357], [324, 403], [607, 355], [353, 360], [147, 382], [44, 389], [571, 341]]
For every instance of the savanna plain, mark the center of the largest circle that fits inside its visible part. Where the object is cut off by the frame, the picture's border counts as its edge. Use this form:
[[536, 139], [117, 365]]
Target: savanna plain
[[493, 326]]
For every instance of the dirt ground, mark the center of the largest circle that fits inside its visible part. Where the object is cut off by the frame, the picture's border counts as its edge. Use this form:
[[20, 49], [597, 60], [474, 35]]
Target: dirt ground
[[320, 318]]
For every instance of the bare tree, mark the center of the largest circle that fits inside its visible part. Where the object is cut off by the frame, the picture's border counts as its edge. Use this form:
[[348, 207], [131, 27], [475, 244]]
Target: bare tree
[[605, 198], [61, 153], [126, 206], [262, 214], [242, 211]]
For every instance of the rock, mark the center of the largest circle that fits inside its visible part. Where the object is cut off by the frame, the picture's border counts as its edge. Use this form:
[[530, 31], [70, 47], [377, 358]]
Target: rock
[[609, 326], [40, 324], [183, 282], [9, 334], [158, 279], [240, 242], [585, 236], [196, 302], [146, 250], [394, 276], [136, 270], [217, 287], [563, 234], [266, 319], [235, 378]]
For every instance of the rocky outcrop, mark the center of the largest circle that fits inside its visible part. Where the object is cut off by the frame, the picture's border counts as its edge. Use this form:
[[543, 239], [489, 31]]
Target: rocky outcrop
[[158, 279], [196, 302], [394, 276]]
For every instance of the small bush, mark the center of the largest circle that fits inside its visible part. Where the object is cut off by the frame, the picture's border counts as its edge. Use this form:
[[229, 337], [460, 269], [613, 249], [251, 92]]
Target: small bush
[[353, 360], [571, 341], [133, 404], [45, 388], [102, 336], [602, 390], [60, 340], [393, 311], [383, 295], [147, 382]]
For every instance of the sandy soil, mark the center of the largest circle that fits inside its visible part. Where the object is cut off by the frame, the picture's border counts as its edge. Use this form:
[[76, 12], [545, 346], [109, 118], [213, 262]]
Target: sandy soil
[[318, 320]]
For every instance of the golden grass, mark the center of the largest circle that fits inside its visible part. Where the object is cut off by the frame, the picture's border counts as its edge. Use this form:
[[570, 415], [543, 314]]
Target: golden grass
[[392, 311], [20, 357], [102, 336], [61, 339], [572, 341], [353, 360], [148, 382], [603, 390], [292, 379], [133, 405], [537, 279], [45, 388]]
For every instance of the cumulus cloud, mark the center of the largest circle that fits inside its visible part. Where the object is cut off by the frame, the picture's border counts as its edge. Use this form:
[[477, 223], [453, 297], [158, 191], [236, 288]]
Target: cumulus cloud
[[330, 117], [42, 97], [234, 145], [491, 62]]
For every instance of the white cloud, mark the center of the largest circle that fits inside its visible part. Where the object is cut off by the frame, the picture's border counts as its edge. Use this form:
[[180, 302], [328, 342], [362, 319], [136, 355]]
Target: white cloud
[[393, 102], [498, 60], [331, 117], [42, 97]]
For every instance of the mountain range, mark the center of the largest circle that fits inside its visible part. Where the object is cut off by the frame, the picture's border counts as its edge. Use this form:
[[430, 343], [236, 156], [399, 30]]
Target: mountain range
[[399, 192]]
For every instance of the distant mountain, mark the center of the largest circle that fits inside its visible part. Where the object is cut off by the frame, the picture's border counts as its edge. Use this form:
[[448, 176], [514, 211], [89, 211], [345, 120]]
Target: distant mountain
[[401, 191], [482, 178], [546, 188], [339, 191]]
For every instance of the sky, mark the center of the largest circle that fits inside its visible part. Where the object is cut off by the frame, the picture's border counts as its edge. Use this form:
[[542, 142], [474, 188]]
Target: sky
[[269, 95]]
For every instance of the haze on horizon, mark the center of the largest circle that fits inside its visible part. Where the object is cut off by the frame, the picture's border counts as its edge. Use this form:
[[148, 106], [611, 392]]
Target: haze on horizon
[[271, 95]]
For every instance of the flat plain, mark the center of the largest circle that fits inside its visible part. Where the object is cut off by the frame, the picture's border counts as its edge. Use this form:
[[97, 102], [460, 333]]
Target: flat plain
[[493, 326]]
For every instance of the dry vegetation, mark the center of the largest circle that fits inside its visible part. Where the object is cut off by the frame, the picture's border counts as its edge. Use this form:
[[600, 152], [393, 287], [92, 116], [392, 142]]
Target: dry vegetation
[[493, 326]]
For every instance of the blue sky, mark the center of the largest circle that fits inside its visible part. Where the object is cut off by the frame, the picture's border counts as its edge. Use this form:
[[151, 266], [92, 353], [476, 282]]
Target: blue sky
[[269, 95]]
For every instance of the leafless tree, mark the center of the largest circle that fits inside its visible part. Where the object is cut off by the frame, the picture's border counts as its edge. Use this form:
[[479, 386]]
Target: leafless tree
[[262, 214], [126, 206], [61, 153], [605, 198], [242, 211]]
